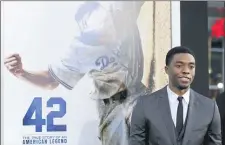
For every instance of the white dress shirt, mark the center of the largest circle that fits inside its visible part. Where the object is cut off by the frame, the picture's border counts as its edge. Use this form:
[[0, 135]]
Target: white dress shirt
[[174, 104]]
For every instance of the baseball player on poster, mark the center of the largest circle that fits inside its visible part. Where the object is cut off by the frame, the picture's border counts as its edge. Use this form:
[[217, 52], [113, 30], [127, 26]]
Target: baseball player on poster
[[108, 52]]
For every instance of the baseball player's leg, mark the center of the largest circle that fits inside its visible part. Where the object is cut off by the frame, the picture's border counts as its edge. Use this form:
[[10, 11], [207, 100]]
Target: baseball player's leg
[[115, 120], [113, 127]]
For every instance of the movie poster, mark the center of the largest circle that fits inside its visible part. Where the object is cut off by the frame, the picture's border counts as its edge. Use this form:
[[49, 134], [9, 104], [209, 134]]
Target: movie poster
[[72, 71]]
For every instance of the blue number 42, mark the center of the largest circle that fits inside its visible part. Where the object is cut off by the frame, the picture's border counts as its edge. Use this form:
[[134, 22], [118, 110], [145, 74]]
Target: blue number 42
[[38, 122]]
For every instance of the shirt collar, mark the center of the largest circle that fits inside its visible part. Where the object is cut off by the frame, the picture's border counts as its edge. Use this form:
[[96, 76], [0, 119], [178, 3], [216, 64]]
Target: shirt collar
[[173, 96]]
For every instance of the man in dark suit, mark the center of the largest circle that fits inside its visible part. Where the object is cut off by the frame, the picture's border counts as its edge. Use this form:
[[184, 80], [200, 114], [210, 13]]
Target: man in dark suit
[[176, 114], [221, 105]]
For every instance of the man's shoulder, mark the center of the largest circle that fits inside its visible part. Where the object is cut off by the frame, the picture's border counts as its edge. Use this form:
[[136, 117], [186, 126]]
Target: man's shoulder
[[150, 96], [204, 100]]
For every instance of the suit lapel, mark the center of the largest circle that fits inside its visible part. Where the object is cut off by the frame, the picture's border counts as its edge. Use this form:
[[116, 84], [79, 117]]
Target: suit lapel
[[166, 114], [191, 116]]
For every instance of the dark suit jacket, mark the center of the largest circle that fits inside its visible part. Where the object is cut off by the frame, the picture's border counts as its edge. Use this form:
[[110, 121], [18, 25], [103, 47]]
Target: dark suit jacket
[[152, 124], [221, 104]]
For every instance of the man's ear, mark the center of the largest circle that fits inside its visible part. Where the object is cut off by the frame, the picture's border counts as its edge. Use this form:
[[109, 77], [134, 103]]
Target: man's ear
[[166, 69]]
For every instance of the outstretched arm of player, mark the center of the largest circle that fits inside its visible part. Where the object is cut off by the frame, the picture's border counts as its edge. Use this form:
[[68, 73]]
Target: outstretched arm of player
[[41, 79]]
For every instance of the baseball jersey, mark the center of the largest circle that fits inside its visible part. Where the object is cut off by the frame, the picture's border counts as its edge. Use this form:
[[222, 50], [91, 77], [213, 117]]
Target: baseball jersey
[[106, 32]]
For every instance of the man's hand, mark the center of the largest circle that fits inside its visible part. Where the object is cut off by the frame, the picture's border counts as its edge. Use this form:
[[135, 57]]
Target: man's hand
[[40, 78], [14, 64]]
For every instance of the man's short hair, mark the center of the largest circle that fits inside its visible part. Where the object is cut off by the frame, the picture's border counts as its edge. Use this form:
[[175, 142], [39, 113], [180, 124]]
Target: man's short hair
[[177, 50]]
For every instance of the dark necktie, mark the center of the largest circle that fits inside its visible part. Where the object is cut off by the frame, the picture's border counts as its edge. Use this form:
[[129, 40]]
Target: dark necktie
[[179, 124]]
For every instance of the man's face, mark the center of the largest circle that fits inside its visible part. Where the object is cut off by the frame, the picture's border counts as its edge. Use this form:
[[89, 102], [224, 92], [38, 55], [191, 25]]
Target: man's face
[[181, 70]]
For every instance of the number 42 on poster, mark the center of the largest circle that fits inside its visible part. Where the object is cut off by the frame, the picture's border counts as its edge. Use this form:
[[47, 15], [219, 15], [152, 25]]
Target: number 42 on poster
[[39, 121]]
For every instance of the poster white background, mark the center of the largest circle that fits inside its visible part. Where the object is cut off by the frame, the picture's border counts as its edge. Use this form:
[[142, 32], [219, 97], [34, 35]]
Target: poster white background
[[40, 32]]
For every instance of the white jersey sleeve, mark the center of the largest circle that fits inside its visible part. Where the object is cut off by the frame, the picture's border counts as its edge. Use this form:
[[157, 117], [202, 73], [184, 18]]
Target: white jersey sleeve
[[66, 70]]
